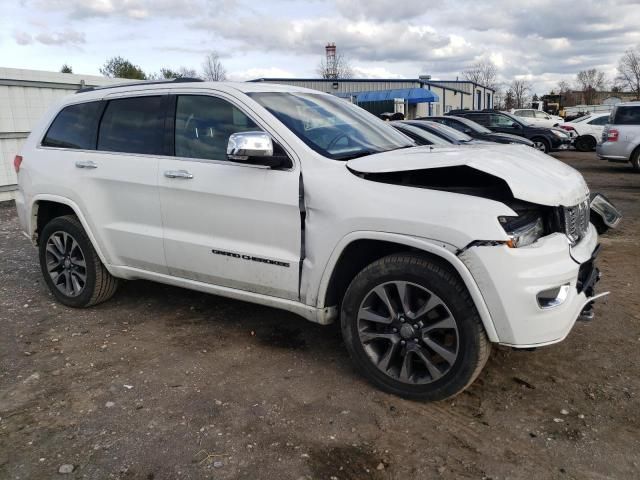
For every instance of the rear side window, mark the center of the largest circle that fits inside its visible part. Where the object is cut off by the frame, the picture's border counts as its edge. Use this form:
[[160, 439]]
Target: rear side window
[[599, 121], [482, 119], [75, 127], [204, 125], [627, 116], [133, 125]]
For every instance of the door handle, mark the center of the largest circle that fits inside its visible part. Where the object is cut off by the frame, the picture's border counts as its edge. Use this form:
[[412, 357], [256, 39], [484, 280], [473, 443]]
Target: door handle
[[178, 174], [86, 164]]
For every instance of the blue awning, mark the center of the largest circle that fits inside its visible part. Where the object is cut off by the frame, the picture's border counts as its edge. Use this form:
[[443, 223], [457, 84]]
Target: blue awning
[[410, 95]]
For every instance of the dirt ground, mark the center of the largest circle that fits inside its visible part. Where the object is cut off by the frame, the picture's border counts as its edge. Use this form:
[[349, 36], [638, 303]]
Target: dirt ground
[[166, 383]]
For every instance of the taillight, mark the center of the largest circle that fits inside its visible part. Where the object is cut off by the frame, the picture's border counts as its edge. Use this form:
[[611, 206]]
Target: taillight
[[17, 161], [568, 128], [612, 136]]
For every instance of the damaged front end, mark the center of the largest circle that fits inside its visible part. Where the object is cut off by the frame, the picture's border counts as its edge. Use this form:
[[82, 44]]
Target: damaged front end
[[537, 277]]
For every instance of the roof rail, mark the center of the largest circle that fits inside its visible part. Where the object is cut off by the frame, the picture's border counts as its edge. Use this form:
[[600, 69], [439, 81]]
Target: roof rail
[[148, 82]]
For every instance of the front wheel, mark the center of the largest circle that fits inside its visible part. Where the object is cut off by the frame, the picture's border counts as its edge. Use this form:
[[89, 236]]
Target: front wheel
[[635, 160], [412, 329], [541, 144], [585, 143], [70, 265]]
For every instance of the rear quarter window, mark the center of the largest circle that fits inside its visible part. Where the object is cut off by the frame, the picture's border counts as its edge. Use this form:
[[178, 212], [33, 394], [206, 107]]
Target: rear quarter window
[[76, 126], [629, 115]]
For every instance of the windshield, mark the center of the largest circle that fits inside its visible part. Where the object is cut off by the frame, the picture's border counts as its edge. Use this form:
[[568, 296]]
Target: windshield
[[444, 131], [422, 136], [331, 126], [473, 125]]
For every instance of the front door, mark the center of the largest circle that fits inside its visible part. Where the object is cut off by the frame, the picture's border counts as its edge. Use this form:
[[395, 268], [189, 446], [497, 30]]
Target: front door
[[228, 224]]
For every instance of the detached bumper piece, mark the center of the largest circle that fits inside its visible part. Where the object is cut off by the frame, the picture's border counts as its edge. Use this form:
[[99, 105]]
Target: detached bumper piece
[[588, 276], [604, 215]]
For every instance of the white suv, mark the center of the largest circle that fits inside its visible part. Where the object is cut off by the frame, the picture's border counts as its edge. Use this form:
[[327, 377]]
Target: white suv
[[299, 200]]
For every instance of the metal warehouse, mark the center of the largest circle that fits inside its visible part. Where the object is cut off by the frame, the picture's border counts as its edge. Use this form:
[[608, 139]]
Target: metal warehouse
[[419, 97], [24, 96]]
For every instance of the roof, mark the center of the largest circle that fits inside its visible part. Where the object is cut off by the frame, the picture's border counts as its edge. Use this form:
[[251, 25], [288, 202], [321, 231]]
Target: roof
[[411, 95], [99, 93], [434, 83]]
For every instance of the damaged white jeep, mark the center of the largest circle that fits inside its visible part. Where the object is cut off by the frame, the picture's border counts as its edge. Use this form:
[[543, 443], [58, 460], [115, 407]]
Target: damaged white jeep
[[299, 200]]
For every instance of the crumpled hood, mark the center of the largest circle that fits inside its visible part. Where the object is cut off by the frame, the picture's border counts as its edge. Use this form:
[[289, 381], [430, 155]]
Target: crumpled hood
[[531, 175]]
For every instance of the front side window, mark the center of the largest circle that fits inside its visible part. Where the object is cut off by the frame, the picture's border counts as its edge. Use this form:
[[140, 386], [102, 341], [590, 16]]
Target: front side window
[[204, 125], [133, 125], [75, 127], [539, 114], [331, 126]]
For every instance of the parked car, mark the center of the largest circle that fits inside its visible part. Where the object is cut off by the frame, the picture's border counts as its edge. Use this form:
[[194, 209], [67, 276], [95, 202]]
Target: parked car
[[537, 117], [621, 136], [449, 134], [296, 199], [586, 131], [544, 139], [477, 131], [419, 135]]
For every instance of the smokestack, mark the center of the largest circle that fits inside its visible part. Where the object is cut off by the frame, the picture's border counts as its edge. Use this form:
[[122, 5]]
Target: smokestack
[[332, 67]]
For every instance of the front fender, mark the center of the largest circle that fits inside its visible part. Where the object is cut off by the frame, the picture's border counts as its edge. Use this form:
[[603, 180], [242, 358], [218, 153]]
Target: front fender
[[440, 249]]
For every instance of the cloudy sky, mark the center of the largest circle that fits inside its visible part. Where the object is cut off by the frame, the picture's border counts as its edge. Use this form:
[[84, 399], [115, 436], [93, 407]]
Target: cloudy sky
[[539, 40]]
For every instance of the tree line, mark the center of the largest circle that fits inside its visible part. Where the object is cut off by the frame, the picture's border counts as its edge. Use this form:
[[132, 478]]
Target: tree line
[[519, 92], [212, 70]]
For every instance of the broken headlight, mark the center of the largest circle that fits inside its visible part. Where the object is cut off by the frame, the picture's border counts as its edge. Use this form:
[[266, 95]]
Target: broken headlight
[[524, 229]]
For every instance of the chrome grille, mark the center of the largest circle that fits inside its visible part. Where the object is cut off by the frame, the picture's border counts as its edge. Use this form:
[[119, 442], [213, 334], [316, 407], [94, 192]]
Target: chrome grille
[[576, 221]]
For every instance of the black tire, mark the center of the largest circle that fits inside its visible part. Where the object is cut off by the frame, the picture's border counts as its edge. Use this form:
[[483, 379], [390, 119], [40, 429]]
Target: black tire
[[99, 284], [635, 160], [473, 346], [585, 143], [541, 144]]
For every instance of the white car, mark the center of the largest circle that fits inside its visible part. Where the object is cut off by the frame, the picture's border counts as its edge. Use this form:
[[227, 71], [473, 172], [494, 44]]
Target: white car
[[299, 200], [537, 117], [587, 131]]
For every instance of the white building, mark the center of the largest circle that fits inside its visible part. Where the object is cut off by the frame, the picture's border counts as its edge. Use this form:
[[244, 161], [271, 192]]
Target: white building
[[24, 96], [422, 97]]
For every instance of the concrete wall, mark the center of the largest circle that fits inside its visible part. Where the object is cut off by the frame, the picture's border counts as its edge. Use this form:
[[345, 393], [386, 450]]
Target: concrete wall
[[25, 95]]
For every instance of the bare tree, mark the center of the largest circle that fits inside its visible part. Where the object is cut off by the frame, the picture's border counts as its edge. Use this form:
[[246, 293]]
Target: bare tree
[[167, 73], [563, 87], [483, 73], [520, 91], [66, 69], [629, 71], [212, 68], [589, 82], [338, 68]]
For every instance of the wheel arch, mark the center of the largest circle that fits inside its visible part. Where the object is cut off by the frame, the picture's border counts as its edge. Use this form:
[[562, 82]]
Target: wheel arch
[[359, 249], [46, 207]]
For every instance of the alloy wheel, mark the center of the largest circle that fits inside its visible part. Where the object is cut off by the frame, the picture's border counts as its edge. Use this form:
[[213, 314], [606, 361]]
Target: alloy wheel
[[540, 145], [66, 264], [408, 332]]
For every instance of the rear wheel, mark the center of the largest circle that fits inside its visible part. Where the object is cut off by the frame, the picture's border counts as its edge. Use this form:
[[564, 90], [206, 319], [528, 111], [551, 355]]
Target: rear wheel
[[585, 143], [70, 265], [635, 160], [541, 144], [412, 329]]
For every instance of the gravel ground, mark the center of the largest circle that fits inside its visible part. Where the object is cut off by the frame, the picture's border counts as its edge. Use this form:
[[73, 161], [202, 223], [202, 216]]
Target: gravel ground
[[164, 383]]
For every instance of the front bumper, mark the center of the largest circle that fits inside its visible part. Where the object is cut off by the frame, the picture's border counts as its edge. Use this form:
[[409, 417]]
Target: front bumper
[[511, 279], [558, 143]]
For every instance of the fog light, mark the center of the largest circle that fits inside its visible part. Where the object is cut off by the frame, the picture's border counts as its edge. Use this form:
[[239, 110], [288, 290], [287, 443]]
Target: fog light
[[553, 296]]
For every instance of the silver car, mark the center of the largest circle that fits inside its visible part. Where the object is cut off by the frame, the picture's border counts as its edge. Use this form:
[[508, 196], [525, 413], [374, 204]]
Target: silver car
[[621, 136]]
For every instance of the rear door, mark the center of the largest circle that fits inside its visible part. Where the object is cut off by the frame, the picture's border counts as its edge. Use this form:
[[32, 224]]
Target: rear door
[[225, 223], [113, 177]]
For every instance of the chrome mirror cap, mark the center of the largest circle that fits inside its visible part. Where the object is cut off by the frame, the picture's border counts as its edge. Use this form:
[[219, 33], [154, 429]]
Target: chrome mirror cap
[[243, 145]]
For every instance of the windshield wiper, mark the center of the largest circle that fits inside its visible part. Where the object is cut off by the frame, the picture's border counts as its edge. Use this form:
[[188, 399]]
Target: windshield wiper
[[361, 153]]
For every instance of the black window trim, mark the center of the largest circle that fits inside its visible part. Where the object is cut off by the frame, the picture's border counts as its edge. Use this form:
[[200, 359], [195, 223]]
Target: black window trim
[[55, 117], [170, 131]]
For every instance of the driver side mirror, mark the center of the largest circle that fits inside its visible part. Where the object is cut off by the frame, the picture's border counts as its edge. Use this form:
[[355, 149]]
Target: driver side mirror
[[467, 131], [515, 125], [255, 148]]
